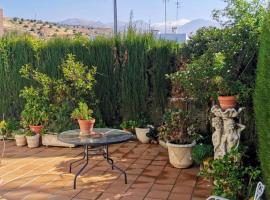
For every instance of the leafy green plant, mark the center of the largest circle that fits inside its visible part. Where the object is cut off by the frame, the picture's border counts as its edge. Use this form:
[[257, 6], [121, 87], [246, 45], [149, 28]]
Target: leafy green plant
[[177, 127], [8, 127], [82, 112], [19, 132], [201, 152], [61, 94], [35, 111], [206, 78], [29, 133], [232, 179], [141, 123], [60, 118], [130, 124]]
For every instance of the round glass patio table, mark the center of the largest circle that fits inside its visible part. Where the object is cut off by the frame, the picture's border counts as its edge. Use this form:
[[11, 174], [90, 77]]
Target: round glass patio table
[[102, 138]]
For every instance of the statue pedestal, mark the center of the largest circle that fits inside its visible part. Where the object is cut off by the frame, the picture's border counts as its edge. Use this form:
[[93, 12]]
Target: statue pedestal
[[227, 132]]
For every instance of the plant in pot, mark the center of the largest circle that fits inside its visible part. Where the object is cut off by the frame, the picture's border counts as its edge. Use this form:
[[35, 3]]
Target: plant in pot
[[32, 139], [228, 90], [35, 112], [20, 137], [84, 116], [8, 127], [181, 137], [141, 131], [128, 125]]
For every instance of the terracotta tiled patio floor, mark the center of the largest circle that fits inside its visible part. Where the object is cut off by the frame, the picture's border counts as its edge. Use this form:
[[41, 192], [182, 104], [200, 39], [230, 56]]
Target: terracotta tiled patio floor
[[42, 173]]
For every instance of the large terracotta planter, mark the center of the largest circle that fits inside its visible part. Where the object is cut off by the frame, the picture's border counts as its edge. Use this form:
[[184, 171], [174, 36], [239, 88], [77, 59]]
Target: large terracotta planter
[[36, 129], [227, 102], [33, 141], [86, 126], [141, 134], [180, 155], [20, 140]]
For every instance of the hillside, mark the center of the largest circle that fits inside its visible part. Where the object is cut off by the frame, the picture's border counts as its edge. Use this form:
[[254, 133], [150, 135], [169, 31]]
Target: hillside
[[43, 29], [192, 26]]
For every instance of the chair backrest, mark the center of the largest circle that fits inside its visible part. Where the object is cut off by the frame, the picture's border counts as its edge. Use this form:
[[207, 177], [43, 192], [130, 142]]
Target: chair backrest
[[259, 191]]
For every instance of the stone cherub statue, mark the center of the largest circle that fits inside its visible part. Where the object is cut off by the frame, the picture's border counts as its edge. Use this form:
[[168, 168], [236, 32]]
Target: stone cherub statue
[[227, 131]]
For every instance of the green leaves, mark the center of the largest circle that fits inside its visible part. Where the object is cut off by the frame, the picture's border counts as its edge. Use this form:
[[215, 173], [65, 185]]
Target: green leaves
[[82, 112], [231, 178], [36, 106], [82, 77], [262, 102]]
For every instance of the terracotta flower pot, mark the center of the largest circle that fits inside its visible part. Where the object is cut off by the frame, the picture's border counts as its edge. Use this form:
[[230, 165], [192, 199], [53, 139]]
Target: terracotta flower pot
[[227, 102], [36, 129], [141, 135], [20, 140], [180, 155], [86, 126], [128, 130]]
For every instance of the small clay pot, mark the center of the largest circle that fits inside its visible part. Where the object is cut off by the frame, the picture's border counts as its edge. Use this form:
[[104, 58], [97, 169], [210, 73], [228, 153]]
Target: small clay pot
[[36, 129], [227, 102], [86, 126]]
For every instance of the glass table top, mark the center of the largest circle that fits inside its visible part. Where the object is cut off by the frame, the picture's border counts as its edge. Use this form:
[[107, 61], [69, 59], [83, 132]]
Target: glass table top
[[101, 136]]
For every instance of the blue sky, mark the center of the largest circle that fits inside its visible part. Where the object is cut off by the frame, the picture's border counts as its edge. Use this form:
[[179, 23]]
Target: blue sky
[[101, 10]]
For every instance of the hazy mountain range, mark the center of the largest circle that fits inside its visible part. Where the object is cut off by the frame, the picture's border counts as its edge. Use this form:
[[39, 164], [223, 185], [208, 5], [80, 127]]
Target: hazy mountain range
[[183, 25]]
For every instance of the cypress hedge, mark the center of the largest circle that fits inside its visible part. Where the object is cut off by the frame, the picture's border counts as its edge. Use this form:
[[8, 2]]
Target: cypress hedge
[[262, 103], [130, 71]]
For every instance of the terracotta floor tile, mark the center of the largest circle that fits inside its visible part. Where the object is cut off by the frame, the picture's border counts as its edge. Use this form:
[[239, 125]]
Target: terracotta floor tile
[[176, 196], [182, 189], [158, 194], [161, 187], [42, 173], [88, 194], [110, 196], [136, 192]]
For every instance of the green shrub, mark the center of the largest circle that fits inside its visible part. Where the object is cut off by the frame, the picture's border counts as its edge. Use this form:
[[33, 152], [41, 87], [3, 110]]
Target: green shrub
[[232, 179], [201, 152], [126, 86], [130, 124], [262, 103]]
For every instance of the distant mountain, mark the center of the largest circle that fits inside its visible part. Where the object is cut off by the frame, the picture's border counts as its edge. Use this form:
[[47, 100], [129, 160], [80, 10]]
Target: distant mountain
[[82, 22], [182, 25], [170, 24], [192, 26]]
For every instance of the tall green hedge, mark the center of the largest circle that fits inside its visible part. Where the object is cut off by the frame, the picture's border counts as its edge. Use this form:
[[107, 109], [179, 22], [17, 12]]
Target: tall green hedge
[[262, 103], [131, 71]]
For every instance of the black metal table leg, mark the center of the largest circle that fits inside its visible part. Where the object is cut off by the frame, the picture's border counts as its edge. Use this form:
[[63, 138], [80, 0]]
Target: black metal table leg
[[70, 165], [80, 171], [111, 162]]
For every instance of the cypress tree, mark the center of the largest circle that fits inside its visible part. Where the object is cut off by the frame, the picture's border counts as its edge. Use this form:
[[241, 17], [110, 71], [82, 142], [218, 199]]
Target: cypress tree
[[262, 103]]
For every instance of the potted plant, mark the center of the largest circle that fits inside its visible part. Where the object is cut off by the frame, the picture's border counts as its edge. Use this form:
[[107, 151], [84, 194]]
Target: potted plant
[[84, 116], [32, 139], [35, 112], [142, 130], [128, 125], [8, 127], [228, 90], [20, 138], [180, 135]]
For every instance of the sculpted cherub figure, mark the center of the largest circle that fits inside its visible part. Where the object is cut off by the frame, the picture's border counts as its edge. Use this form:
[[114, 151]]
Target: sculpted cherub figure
[[217, 137]]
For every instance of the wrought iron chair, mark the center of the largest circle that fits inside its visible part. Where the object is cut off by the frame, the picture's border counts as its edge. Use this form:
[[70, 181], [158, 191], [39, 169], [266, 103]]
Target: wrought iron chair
[[258, 193]]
